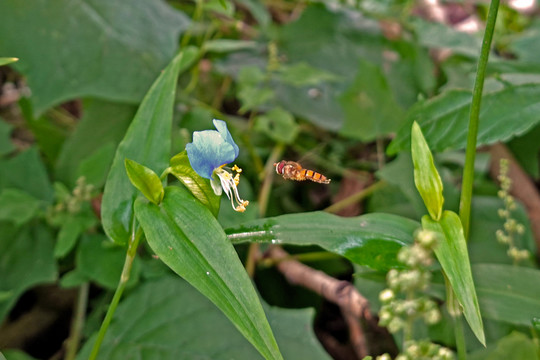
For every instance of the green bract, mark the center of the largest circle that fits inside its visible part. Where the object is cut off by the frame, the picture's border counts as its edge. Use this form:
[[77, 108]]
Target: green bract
[[427, 179]]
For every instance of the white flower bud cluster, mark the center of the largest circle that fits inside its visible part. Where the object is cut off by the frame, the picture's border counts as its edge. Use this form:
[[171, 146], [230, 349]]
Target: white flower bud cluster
[[395, 311], [414, 350], [70, 203], [511, 228]]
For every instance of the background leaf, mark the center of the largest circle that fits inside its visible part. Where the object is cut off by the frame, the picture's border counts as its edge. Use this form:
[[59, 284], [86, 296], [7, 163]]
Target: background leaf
[[444, 119], [120, 60], [6, 145], [107, 123], [174, 315], [372, 240], [18, 206], [508, 293], [26, 259], [147, 141], [190, 241], [26, 172]]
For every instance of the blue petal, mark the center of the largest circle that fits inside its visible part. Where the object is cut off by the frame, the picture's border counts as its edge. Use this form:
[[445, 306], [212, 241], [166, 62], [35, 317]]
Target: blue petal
[[221, 127], [210, 149]]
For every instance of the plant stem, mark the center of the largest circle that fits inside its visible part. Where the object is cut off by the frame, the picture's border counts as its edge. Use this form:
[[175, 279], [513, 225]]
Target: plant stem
[[468, 171], [354, 198], [264, 194], [460, 338], [77, 322], [124, 277]]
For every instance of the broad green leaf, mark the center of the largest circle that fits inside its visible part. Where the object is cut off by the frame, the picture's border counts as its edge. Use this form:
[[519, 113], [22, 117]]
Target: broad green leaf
[[18, 206], [147, 141], [426, 177], [436, 36], [513, 346], [481, 242], [106, 49], [185, 325], [49, 133], [96, 166], [70, 230], [145, 180], [26, 172], [279, 125], [444, 119], [7, 60], [101, 261], [14, 354], [199, 187], [6, 145], [508, 293], [187, 238], [258, 10], [369, 106], [400, 173], [451, 252], [526, 149], [103, 124], [26, 259], [526, 46], [371, 240]]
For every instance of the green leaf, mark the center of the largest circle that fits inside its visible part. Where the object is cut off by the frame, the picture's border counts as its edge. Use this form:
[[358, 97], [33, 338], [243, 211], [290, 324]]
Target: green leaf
[[199, 187], [258, 10], [145, 180], [369, 105], [508, 293], [279, 125], [14, 354], [26, 172], [107, 122], [18, 206], [426, 177], [513, 346], [7, 60], [147, 141], [444, 119], [96, 166], [191, 242], [101, 261], [26, 259], [110, 49], [451, 252], [6, 146], [185, 325], [72, 227], [436, 36], [372, 240]]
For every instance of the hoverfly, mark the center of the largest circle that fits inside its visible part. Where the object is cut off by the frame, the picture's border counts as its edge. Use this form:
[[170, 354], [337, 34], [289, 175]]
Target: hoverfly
[[294, 171]]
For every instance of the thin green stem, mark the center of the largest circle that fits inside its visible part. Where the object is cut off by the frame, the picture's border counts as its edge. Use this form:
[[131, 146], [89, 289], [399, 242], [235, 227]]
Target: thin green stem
[[354, 198], [304, 257], [460, 338], [468, 171], [124, 277], [77, 322], [264, 194]]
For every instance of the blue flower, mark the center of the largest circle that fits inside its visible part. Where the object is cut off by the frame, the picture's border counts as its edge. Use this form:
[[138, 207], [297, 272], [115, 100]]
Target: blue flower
[[209, 152]]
